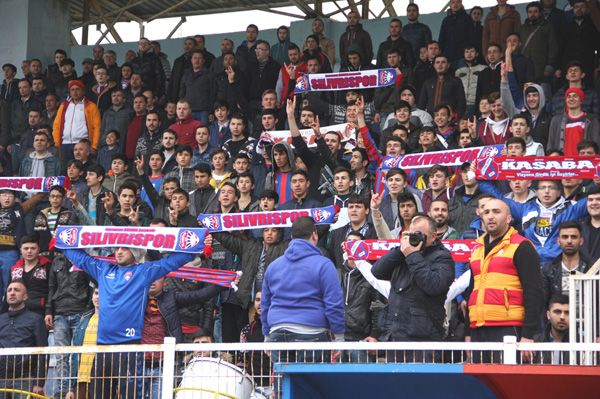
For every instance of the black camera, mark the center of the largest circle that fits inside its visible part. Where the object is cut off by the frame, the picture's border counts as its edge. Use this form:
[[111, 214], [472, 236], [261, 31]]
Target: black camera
[[417, 237]]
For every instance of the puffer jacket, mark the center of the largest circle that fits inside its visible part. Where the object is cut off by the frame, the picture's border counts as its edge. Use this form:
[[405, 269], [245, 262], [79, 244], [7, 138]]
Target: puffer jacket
[[361, 322], [37, 284], [406, 52], [457, 30], [69, 290], [419, 281], [357, 36], [250, 251], [150, 67]]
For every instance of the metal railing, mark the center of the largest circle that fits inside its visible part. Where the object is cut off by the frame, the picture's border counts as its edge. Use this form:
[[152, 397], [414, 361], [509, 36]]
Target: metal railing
[[584, 297], [245, 370]]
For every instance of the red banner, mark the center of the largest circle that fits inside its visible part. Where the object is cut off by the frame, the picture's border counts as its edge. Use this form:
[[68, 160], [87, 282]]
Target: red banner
[[537, 168], [375, 249]]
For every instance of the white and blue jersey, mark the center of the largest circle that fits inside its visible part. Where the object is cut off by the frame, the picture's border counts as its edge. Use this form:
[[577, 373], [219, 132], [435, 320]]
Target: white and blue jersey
[[124, 292]]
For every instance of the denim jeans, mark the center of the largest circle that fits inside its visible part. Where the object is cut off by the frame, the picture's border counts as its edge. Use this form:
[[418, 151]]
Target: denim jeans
[[8, 259], [153, 380], [297, 356], [64, 329], [21, 384], [201, 116]]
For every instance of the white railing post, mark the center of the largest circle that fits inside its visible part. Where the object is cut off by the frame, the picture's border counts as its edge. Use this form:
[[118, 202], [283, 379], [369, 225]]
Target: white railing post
[[509, 354], [168, 371]]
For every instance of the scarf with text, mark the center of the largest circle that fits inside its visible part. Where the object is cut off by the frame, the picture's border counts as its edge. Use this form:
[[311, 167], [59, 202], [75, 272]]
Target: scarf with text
[[33, 184], [537, 168], [375, 249], [356, 80]]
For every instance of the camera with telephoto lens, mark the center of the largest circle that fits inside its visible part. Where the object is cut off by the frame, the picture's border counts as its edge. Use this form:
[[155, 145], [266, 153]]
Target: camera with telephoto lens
[[417, 237]]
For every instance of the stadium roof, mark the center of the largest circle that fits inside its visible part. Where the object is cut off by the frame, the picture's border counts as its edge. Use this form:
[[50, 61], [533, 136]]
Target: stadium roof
[[109, 12]]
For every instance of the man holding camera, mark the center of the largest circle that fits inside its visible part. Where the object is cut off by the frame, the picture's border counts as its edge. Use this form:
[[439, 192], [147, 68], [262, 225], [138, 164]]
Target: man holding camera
[[421, 270], [506, 284]]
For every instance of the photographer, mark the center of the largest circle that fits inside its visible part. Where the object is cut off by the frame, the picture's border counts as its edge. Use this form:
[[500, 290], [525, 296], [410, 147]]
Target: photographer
[[421, 271]]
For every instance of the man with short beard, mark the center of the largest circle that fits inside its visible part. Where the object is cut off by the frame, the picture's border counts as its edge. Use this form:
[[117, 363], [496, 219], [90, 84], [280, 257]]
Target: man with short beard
[[590, 225], [438, 211], [557, 330], [180, 64]]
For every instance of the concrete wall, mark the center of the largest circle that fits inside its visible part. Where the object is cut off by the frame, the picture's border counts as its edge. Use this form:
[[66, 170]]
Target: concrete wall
[[33, 29]]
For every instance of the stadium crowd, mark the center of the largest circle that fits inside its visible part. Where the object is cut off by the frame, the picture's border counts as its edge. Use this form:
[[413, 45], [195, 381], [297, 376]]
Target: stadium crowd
[[154, 143]]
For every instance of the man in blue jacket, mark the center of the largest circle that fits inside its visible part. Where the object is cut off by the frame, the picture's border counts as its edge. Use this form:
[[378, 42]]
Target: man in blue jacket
[[124, 288], [540, 219], [302, 299]]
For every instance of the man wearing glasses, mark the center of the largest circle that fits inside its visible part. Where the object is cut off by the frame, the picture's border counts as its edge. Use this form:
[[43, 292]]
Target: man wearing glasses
[[258, 77], [101, 92], [149, 66], [539, 219]]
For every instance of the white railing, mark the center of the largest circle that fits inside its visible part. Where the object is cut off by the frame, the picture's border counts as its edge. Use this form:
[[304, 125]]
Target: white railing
[[188, 371], [584, 305]]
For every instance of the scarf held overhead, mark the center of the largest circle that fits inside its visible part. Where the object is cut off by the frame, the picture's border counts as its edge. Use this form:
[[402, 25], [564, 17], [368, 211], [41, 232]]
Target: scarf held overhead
[[33, 184], [537, 168], [445, 158], [347, 80], [263, 220], [375, 249], [344, 130], [173, 239]]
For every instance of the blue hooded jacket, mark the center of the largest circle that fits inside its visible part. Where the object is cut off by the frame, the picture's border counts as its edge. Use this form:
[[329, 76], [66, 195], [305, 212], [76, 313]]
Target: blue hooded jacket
[[302, 287]]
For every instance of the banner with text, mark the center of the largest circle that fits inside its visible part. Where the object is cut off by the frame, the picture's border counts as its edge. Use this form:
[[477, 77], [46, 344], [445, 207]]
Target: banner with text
[[173, 239], [537, 168], [34, 184], [375, 249], [263, 220], [370, 79], [344, 130], [446, 158]]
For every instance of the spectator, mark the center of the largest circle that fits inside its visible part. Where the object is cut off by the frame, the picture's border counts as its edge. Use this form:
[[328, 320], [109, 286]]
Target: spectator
[[429, 270], [226, 47], [477, 15], [40, 162], [226, 83], [469, 75], [117, 174], [259, 76], [395, 40], [32, 269], [87, 77], [9, 90], [12, 229], [557, 330], [574, 76], [135, 85], [239, 142], [164, 60], [137, 124], [149, 66], [355, 34], [326, 45], [112, 146], [180, 65], [183, 172], [208, 56], [20, 327], [114, 71], [462, 206], [98, 53], [415, 32], [101, 93], [279, 50], [118, 117], [499, 23], [489, 79], [450, 88], [19, 114], [523, 67], [186, 125], [590, 225], [316, 296], [150, 138], [279, 178], [541, 43], [457, 30], [569, 128], [299, 68], [257, 363], [520, 270], [203, 150], [121, 212], [247, 49], [195, 87], [71, 125]]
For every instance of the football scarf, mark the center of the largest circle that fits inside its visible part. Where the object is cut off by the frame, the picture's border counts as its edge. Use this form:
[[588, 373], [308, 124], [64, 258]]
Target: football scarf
[[445, 158], [33, 184], [263, 220], [344, 130], [537, 168], [172, 239], [375, 249], [357, 80]]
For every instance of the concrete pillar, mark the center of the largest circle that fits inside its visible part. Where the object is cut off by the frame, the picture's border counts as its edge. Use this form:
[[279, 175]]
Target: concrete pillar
[[33, 29]]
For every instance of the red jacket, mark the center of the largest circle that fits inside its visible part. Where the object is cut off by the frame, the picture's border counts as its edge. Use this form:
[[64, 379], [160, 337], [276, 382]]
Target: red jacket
[[186, 130], [285, 78], [37, 283]]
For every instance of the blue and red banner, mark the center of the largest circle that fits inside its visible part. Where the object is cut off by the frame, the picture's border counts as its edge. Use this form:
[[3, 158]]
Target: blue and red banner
[[375, 249], [537, 168], [262, 220], [173, 239], [370, 79], [445, 158], [33, 184]]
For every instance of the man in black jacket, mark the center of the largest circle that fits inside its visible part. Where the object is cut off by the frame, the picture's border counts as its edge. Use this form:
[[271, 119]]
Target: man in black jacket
[[555, 274], [450, 88], [395, 40], [148, 65], [557, 330], [22, 328], [590, 225], [421, 276], [258, 77], [180, 64]]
